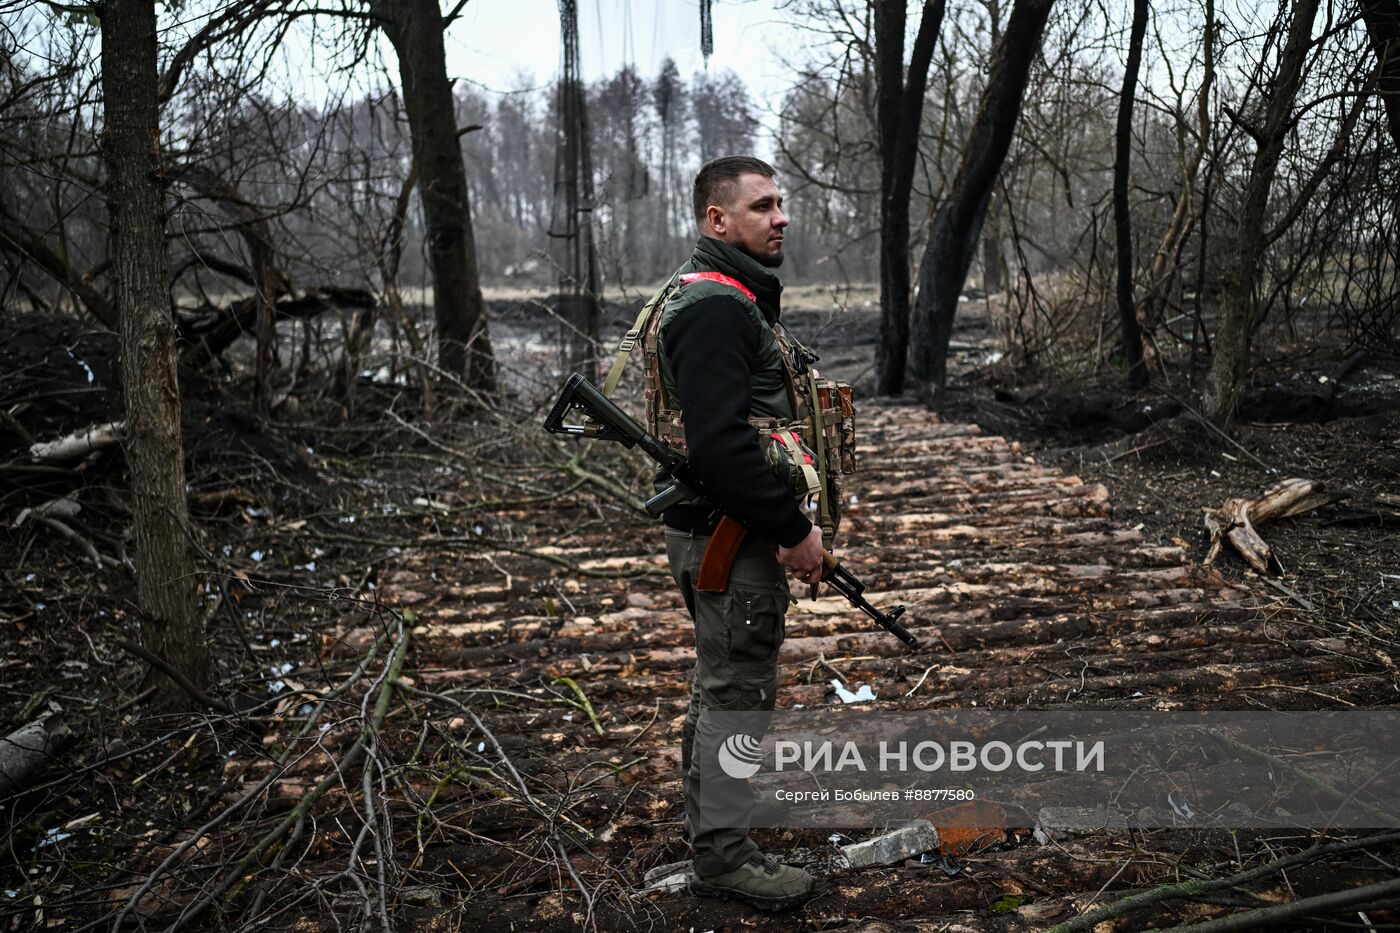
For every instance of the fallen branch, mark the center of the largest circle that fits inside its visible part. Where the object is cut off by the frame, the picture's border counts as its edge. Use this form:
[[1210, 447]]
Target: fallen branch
[[207, 337], [79, 444], [1237, 519], [1197, 886], [67, 507], [393, 667], [183, 682], [1274, 916], [1276, 763], [273, 775], [1333, 380], [88, 548], [544, 813]]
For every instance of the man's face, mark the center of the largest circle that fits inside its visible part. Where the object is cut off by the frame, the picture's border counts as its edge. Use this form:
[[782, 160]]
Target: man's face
[[754, 222]]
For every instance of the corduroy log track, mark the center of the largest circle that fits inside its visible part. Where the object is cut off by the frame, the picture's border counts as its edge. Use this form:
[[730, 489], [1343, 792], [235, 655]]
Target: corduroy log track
[[1022, 588]]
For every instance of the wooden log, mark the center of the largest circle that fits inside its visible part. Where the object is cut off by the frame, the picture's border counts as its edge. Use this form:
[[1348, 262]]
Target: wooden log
[[79, 444], [66, 507], [1237, 520], [25, 752]]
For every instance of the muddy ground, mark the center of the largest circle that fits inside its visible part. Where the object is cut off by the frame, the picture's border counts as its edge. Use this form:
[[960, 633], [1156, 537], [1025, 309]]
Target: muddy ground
[[302, 521]]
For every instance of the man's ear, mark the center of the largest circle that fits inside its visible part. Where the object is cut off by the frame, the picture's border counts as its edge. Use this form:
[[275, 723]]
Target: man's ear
[[714, 216]]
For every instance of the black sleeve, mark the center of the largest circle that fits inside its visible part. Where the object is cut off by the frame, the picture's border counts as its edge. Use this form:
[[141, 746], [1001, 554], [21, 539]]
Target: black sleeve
[[712, 346]]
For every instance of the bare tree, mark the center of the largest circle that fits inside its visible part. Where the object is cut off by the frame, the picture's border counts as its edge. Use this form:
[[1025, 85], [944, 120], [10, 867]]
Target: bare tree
[[1122, 219], [131, 146], [958, 221], [1230, 360], [899, 112], [414, 28], [1166, 259], [672, 105]]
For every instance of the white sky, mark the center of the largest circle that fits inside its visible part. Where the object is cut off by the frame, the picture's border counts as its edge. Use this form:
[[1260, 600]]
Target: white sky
[[496, 40]]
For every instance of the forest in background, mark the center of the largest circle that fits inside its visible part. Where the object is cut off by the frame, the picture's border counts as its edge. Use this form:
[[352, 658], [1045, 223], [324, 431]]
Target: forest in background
[[247, 161]]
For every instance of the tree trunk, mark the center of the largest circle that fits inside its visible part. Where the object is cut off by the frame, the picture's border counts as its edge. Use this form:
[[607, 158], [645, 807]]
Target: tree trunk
[[1383, 26], [165, 582], [958, 222], [1122, 219], [992, 279], [898, 114], [1229, 363], [1166, 261], [414, 28]]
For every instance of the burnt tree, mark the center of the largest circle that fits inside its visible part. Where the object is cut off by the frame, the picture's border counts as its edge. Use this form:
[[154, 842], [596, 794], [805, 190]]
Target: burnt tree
[[165, 579], [1122, 219], [899, 110], [1230, 360], [414, 28], [957, 223]]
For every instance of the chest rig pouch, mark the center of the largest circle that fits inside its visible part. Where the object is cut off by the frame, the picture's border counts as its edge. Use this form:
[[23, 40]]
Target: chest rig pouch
[[808, 453]]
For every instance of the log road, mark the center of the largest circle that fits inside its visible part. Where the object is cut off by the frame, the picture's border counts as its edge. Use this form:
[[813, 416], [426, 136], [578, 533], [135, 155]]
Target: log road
[[1020, 585]]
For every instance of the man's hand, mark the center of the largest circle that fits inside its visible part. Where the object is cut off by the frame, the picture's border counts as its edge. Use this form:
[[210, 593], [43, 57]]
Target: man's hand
[[804, 560]]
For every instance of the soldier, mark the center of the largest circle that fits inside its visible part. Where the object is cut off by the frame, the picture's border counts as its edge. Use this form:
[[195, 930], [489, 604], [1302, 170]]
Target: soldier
[[722, 378]]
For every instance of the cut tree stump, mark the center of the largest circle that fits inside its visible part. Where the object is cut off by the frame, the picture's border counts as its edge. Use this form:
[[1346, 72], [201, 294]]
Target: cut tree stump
[[1237, 520]]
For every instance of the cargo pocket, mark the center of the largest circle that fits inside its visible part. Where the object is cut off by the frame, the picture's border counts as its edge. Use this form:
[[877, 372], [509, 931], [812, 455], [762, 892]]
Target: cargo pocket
[[756, 624], [713, 612]]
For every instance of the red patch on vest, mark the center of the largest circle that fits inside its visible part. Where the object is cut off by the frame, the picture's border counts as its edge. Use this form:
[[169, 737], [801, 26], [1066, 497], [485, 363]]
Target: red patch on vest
[[797, 442], [719, 277]]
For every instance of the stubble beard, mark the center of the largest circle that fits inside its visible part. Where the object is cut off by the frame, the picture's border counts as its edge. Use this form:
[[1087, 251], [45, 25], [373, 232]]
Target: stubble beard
[[767, 260]]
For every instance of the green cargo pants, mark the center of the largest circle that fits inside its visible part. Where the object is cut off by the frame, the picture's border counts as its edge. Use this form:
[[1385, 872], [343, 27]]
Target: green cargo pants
[[737, 636]]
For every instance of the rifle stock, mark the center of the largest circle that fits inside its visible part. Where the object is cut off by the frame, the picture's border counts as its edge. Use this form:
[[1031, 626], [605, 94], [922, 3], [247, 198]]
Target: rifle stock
[[605, 421]]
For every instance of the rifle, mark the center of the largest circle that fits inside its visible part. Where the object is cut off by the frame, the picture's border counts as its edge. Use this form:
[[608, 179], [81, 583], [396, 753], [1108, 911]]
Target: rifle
[[606, 422]]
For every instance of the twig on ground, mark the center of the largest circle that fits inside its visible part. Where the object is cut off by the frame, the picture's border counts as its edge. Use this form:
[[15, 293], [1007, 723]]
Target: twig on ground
[[392, 668], [521, 786], [1186, 890], [1278, 913], [583, 703], [252, 794], [183, 682], [1209, 424]]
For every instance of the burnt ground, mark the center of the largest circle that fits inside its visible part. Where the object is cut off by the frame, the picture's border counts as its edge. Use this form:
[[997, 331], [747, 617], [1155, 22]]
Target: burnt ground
[[502, 566], [1338, 564]]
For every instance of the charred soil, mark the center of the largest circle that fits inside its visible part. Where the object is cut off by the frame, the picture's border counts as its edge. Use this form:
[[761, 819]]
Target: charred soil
[[463, 668]]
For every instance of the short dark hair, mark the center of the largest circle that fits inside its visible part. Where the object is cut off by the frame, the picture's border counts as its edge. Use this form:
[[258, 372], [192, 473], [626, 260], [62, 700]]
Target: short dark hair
[[718, 179]]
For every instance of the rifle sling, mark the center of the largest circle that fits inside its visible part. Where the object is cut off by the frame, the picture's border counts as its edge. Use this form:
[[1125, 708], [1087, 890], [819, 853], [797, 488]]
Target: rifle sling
[[629, 340]]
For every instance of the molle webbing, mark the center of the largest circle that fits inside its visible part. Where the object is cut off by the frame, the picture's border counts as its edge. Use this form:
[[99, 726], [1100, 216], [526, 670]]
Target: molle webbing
[[825, 414]]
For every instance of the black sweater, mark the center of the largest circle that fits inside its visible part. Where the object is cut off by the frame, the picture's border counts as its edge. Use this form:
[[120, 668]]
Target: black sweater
[[712, 347]]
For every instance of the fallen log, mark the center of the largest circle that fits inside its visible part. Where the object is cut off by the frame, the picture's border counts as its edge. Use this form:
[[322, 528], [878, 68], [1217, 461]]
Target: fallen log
[[66, 507], [204, 338], [79, 444], [25, 752], [1238, 519]]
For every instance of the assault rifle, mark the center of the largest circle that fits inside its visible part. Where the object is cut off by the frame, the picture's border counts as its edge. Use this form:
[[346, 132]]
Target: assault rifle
[[605, 421]]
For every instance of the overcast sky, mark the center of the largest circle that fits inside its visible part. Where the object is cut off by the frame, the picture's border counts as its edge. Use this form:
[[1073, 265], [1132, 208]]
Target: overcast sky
[[495, 40]]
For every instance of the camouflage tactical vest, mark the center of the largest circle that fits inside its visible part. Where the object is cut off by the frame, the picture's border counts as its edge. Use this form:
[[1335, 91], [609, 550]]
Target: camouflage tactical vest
[[805, 423]]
